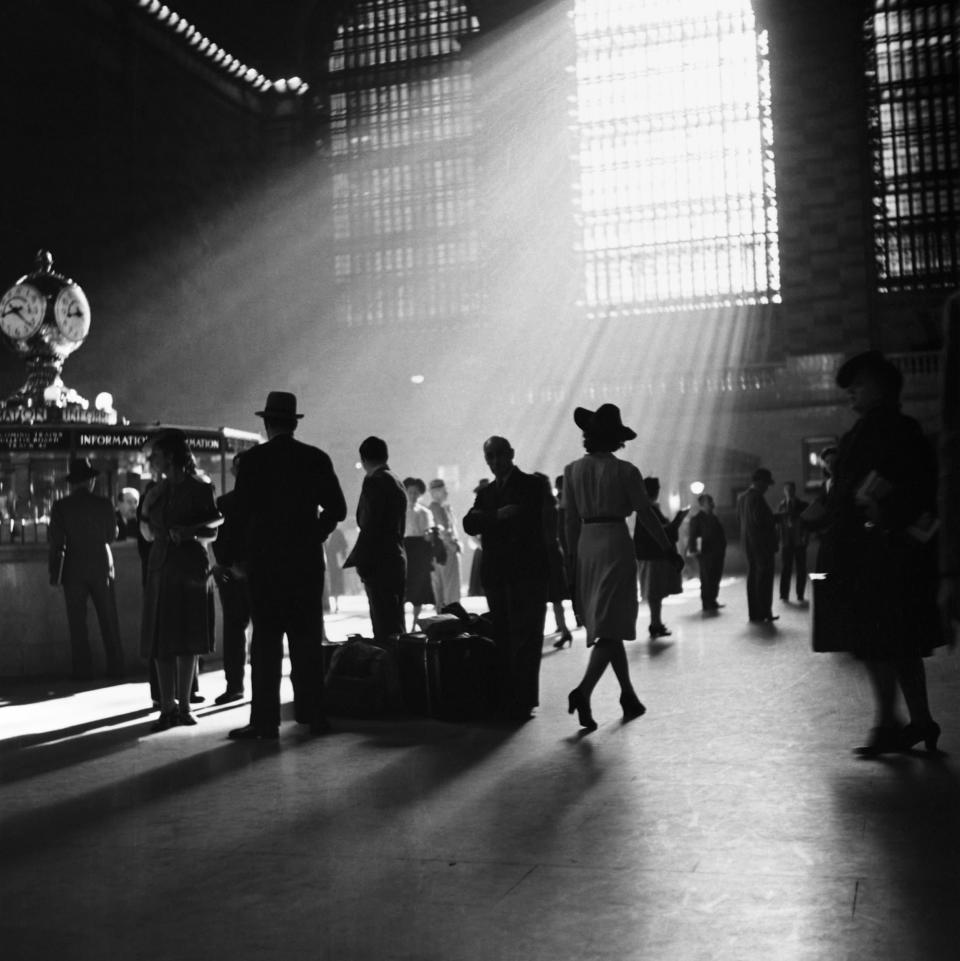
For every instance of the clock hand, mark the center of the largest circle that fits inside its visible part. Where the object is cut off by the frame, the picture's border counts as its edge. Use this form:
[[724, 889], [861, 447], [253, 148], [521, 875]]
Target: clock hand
[[13, 310]]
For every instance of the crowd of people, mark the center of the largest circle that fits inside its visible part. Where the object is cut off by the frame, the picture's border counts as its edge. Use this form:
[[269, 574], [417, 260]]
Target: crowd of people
[[874, 524]]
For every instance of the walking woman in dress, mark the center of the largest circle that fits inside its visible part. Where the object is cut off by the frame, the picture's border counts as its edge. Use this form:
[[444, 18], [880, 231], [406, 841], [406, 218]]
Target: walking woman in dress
[[599, 492], [179, 517]]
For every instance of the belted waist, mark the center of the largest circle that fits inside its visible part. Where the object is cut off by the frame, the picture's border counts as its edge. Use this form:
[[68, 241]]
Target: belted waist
[[602, 520]]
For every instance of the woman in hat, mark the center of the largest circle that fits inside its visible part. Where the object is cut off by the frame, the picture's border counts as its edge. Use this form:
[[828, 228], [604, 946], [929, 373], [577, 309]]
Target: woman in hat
[[879, 555], [180, 517], [599, 492]]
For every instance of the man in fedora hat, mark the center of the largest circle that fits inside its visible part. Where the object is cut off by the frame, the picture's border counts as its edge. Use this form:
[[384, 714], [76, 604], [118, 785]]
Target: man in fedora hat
[[288, 500], [516, 518], [82, 526], [758, 537]]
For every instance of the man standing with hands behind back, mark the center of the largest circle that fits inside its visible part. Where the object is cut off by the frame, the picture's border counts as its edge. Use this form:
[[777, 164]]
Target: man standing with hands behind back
[[288, 500], [758, 537], [516, 517]]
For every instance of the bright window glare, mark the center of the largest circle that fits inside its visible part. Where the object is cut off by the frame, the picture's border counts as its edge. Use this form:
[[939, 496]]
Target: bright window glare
[[675, 145]]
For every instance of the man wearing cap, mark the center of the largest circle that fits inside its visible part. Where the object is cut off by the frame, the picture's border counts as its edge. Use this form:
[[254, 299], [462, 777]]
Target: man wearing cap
[[445, 578], [758, 537], [516, 517], [288, 500], [82, 526]]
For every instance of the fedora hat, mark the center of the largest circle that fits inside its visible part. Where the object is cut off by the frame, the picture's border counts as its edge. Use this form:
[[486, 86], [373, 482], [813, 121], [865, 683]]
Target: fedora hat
[[280, 404], [873, 364], [605, 420], [81, 470]]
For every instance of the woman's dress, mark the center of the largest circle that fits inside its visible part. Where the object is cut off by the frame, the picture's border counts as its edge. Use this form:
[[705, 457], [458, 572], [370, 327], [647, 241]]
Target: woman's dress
[[419, 555], [178, 597], [599, 492]]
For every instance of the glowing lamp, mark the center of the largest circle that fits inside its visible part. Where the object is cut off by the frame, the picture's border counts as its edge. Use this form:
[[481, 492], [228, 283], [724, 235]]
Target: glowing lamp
[[103, 401], [697, 488], [280, 86], [417, 379], [51, 395]]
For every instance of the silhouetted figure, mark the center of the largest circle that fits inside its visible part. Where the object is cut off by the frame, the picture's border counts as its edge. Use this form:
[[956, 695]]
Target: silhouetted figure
[[707, 540], [659, 576], [949, 490], [446, 573], [599, 492], [417, 546], [335, 552], [180, 517], [378, 554], [882, 557], [82, 527], [793, 542], [288, 501], [234, 593], [758, 537], [559, 590], [515, 517], [474, 583]]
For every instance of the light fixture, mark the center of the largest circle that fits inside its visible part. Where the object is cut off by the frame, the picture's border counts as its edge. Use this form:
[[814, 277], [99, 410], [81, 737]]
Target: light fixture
[[417, 379], [103, 401], [697, 488]]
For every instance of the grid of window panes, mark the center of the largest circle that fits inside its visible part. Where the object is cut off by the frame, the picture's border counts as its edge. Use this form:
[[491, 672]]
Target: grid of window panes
[[677, 193], [914, 77], [404, 176]]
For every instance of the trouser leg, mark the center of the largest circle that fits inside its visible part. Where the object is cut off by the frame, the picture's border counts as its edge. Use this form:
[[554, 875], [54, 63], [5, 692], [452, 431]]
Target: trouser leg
[[800, 560], [528, 612], [236, 618], [75, 596], [105, 604], [786, 571], [266, 662], [167, 683]]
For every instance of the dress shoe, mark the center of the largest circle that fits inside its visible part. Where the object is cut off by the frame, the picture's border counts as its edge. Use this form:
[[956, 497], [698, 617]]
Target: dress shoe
[[565, 638], [186, 719], [632, 706], [251, 733], [197, 699], [913, 734], [228, 697], [659, 630], [883, 740], [167, 720], [770, 618], [577, 702]]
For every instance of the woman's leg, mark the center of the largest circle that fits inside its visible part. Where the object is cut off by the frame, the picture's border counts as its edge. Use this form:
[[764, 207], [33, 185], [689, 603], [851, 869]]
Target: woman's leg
[[167, 683], [656, 607], [186, 672], [883, 677], [618, 661], [417, 608], [912, 678], [599, 659]]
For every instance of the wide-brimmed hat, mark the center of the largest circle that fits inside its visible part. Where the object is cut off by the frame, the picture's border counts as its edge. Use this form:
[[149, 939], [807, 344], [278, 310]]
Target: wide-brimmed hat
[[81, 470], [875, 365], [280, 404], [605, 420]]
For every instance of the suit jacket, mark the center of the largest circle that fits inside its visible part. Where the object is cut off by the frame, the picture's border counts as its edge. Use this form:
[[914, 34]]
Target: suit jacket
[[382, 519], [707, 527], [758, 529], [949, 490], [793, 532], [288, 500], [85, 524], [515, 549], [228, 546]]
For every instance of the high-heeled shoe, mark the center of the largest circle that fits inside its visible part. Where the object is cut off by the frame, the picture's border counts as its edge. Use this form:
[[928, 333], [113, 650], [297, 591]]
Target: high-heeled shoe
[[883, 740], [166, 720], [565, 638], [632, 706], [577, 702], [913, 734]]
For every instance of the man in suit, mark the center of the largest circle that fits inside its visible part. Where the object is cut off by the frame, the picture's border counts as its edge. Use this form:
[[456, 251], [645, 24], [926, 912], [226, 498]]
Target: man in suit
[[708, 541], [288, 500], [516, 518], [758, 537], [793, 542], [82, 527], [234, 597], [378, 554]]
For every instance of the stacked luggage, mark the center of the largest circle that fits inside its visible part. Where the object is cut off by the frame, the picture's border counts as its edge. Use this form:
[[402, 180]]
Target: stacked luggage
[[446, 671]]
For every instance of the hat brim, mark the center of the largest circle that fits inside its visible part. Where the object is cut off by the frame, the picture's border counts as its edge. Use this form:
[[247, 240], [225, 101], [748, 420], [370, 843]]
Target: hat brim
[[583, 418], [83, 476], [279, 414]]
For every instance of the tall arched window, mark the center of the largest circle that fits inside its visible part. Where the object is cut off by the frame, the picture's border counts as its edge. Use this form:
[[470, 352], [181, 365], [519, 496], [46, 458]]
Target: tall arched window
[[404, 179], [677, 199], [914, 84]]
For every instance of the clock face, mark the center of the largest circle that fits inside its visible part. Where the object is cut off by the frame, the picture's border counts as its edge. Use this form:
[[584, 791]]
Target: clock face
[[21, 311], [72, 313]]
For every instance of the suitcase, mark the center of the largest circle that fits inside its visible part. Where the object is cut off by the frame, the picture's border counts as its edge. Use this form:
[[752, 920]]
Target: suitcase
[[449, 678], [362, 679]]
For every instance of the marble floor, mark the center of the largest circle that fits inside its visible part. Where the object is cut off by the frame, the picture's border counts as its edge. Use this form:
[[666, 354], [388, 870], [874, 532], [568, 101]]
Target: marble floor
[[731, 823]]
